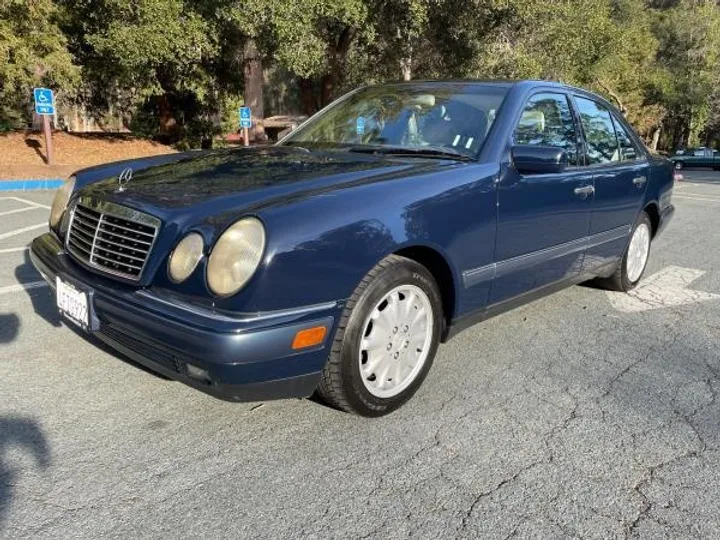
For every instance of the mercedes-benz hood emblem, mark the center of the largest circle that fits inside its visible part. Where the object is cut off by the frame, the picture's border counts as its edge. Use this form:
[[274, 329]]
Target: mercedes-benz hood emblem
[[124, 178]]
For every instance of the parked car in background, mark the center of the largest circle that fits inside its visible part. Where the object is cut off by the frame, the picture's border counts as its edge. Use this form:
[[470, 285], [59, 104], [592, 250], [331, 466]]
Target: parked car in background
[[336, 261], [697, 157]]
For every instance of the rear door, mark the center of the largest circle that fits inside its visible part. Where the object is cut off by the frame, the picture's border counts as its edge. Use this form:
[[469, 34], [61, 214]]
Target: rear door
[[543, 219], [620, 175]]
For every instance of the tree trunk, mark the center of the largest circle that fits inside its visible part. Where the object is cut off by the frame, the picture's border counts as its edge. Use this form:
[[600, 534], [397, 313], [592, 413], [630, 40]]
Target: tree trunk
[[252, 70], [406, 68], [655, 139], [308, 98], [336, 56], [167, 121]]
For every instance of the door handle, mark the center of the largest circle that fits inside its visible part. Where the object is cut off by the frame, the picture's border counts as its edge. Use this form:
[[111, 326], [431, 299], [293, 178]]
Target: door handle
[[640, 180], [584, 191]]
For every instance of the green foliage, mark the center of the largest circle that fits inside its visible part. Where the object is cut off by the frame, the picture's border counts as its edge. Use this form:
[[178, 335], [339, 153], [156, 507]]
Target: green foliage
[[32, 53], [689, 36], [175, 68]]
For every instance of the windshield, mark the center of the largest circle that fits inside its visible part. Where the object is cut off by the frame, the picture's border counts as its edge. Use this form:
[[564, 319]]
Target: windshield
[[452, 116]]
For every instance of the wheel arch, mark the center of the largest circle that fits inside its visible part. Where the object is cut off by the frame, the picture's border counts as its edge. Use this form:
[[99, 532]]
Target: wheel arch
[[653, 212], [438, 265]]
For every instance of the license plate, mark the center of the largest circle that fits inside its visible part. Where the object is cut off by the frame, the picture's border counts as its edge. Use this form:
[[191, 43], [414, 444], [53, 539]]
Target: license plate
[[73, 304]]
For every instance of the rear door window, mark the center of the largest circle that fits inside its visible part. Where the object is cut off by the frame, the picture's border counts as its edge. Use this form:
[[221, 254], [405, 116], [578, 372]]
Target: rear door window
[[628, 149], [601, 143]]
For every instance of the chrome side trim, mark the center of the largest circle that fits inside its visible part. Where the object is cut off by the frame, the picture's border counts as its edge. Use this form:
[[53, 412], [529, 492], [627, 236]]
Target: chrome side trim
[[479, 275], [522, 262], [241, 317], [608, 236], [529, 260]]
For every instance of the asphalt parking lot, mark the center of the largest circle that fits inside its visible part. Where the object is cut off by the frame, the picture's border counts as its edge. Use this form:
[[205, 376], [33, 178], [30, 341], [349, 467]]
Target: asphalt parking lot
[[584, 414]]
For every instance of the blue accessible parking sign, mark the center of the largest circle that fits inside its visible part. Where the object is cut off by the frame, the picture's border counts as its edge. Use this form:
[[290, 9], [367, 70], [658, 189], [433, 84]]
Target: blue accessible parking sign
[[44, 101], [245, 117]]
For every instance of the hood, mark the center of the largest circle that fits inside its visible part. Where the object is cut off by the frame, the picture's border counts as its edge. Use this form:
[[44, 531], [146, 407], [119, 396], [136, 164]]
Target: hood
[[247, 179]]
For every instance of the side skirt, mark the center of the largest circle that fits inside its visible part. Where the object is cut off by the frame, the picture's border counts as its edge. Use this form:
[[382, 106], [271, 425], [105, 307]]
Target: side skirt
[[470, 319]]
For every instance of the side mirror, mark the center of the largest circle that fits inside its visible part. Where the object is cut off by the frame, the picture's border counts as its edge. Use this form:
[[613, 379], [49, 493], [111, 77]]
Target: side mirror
[[529, 159]]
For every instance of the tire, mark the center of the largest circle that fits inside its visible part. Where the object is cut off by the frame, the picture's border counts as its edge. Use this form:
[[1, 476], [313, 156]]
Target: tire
[[679, 165], [626, 278], [357, 374]]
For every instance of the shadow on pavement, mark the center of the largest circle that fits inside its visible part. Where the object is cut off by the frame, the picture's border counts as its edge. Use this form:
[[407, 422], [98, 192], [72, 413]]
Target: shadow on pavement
[[9, 326], [43, 300], [25, 435], [35, 145]]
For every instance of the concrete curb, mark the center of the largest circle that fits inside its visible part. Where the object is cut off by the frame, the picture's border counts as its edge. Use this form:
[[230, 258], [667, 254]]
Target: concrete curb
[[30, 185]]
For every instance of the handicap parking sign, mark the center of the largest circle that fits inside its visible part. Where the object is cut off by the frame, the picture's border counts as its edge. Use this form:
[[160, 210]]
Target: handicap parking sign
[[245, 117], [44, 101]]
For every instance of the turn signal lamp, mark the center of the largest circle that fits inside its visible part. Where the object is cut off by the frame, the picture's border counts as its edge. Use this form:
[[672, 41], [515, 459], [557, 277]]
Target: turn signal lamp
[[309, 337]]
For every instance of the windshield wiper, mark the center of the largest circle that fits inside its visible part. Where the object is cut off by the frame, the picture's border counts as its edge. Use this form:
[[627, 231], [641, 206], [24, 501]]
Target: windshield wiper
[[422, 151]]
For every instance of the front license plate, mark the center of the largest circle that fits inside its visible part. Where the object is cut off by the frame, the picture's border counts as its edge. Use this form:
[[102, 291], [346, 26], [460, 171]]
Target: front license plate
[[73, 304]]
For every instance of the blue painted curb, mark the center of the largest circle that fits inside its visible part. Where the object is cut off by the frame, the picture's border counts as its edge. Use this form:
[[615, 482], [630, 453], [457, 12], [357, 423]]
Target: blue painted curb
[[28, 185]]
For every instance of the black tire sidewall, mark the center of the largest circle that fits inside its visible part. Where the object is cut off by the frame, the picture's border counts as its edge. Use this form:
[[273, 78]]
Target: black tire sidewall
[[406, 272], [628, 285]]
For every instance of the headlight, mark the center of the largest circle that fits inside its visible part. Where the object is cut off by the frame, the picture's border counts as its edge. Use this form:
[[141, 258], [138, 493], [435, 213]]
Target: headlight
[[236, 256], [60, 201], [185, 257]]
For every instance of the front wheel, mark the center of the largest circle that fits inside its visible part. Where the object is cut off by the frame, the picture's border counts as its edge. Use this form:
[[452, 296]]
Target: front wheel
[[386, 340], [634, 260]]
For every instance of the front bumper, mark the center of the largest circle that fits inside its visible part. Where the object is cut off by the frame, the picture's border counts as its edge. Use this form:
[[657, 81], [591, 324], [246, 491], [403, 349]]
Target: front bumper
[[248, 356]]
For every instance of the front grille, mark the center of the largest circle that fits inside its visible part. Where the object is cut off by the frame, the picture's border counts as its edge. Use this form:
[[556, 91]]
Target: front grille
[[111, 238]]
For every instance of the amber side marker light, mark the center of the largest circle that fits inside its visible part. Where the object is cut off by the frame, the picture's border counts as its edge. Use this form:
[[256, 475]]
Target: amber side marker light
[[309, 337]]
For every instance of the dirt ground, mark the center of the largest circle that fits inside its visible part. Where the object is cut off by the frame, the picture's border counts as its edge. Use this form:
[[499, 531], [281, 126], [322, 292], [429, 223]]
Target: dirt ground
[[22, 154]]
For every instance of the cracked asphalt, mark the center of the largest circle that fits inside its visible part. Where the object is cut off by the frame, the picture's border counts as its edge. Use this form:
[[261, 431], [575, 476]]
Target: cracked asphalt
[[562, 419]]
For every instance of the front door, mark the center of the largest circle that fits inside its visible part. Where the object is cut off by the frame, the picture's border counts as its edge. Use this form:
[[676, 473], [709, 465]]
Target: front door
[[620, 173], [543, 219]]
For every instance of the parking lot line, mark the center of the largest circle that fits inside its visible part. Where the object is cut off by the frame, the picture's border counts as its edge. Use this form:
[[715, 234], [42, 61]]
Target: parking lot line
[[22, 287], [697, 198], [26, 201], [23, 230], [14, 250], [18, 210]]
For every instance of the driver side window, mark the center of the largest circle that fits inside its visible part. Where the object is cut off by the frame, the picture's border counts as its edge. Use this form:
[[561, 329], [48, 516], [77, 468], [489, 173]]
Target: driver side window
[[548, 121]]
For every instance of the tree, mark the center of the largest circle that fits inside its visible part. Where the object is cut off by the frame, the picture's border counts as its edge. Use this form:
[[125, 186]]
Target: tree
[[689, 50], [147, 56], [32, 53]]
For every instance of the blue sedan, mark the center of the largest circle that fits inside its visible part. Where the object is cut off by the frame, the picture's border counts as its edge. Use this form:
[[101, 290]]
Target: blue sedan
[[336, 261]]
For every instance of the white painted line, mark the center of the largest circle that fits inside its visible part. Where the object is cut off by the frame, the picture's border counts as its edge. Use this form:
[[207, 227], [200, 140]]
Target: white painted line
[[31, 203], [688, 197], [667, 288], [22, 287], [13, 250], [18, 210], [23, 230]]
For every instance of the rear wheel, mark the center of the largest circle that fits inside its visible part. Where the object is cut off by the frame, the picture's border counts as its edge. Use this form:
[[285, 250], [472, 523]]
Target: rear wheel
[[632, 265], [386, 341]]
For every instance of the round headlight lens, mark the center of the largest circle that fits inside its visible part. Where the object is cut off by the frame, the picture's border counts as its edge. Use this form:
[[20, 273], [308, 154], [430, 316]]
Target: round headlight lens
[[185, 257], [60, 201], [236, 256]]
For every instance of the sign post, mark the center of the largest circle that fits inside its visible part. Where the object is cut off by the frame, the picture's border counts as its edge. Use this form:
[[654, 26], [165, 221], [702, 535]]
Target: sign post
[[45, 107], [246, 124]]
